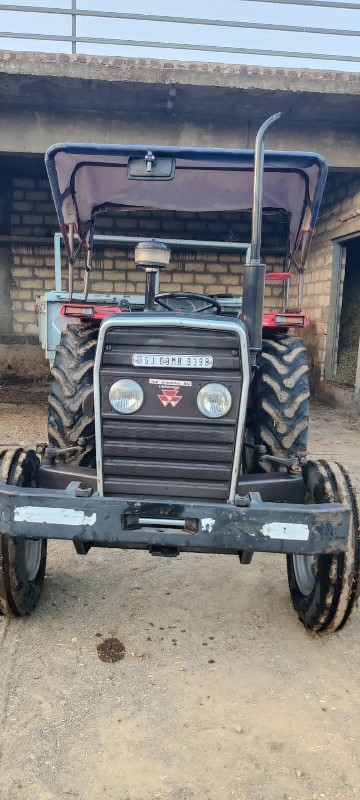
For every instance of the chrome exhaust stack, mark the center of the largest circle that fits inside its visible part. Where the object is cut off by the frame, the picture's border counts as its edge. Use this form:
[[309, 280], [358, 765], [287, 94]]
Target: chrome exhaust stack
[[254, 274]]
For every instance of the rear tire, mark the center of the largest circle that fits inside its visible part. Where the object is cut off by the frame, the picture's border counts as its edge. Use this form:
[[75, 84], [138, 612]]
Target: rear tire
[[72, 382], [282, 398], [22, 561], [325, 588]]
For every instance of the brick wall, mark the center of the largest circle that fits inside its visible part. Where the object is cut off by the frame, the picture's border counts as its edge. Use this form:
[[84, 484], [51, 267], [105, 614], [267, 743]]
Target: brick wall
[[33, 215], [338, 218], [114, 271]]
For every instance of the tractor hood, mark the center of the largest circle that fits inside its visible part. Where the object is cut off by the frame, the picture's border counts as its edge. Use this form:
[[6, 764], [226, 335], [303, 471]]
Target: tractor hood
[[88, 178]]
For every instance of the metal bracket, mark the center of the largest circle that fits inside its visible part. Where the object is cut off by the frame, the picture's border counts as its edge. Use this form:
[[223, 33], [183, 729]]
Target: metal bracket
[[82, 548], [50, 452], [245, 556], [258, 448], [242, 501], [83, 490], [149, 160], [293, 464]]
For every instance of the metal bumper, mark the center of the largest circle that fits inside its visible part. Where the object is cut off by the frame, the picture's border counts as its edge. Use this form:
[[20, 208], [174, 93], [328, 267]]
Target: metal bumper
[[198, 527]]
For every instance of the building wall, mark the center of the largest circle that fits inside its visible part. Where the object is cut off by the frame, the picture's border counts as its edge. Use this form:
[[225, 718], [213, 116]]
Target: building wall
[[339, 217]]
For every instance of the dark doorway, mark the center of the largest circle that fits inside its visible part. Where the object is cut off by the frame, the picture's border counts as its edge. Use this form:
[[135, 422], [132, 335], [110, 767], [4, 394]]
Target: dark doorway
[[349, 332]]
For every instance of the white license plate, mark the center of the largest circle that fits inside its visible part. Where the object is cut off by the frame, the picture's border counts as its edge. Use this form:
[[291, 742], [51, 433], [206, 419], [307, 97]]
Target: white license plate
[[176, 361]]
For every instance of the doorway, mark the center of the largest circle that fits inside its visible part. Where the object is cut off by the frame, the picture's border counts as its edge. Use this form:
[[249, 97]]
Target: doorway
[[349, 323]]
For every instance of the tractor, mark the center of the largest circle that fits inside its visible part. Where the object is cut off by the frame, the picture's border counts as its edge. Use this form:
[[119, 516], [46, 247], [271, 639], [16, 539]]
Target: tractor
[[181, 426]]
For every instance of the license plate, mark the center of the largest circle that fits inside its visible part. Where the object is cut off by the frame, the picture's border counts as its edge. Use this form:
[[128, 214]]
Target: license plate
[[175, 361]]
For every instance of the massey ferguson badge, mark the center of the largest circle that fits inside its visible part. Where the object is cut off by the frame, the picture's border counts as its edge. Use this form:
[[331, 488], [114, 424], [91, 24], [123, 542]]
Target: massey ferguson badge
[[169, 390], [170, 397]]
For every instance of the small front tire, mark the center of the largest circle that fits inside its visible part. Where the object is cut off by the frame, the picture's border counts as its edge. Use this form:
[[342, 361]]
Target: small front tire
[[22, 561], [324, 588]]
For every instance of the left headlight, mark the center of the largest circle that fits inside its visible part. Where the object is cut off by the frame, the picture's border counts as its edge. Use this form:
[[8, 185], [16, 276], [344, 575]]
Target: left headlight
[[126, 396], [214, 400]]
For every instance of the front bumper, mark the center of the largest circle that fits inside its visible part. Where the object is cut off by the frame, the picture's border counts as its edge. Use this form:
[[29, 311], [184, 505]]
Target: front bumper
[[196, 527]]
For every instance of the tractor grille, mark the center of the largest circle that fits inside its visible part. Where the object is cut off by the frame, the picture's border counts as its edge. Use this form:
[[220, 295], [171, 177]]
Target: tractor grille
[[165, 451]]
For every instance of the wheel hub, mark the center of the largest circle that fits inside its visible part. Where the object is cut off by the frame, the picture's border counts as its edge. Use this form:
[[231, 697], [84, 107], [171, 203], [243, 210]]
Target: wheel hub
[[305, 568], [33, 549]]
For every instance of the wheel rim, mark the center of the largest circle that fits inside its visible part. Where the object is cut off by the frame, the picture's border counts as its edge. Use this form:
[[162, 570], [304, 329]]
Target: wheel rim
[[305, 568], [33, 550]]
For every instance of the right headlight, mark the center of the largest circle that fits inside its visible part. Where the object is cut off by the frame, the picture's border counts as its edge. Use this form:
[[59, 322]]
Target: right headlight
[[214, 400], [126, 396]]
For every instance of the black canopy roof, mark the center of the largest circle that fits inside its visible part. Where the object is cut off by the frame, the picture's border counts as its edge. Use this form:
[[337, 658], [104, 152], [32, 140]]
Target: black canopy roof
[[86, 178]]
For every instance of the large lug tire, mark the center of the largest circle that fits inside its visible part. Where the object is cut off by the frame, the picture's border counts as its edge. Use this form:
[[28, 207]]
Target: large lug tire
[[282, 398], [22, 561], [72, 382], [325, 588]]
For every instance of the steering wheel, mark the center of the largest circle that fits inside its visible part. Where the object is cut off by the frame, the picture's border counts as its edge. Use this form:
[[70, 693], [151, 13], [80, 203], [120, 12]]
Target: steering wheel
[[189, 297]]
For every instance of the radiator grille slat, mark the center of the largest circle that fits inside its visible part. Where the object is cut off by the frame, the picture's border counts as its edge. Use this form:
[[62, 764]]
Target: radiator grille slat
[[156, 489], [160, 450], [166, 469], [163, 431], [211, 340]]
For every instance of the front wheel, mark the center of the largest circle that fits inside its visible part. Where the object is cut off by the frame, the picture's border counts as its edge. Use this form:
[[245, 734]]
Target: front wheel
[[324, 588], [22, 561]]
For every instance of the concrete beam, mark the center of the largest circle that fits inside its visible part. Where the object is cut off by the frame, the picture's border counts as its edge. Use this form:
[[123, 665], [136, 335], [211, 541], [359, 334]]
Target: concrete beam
[[34, 131]]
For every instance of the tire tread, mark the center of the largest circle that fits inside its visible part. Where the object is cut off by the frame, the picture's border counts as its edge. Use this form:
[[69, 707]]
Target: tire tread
[[283, 397], [72, 382]]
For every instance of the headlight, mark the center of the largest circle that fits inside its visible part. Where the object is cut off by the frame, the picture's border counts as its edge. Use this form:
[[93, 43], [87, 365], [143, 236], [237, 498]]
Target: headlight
[[214, 400], [126, 396]]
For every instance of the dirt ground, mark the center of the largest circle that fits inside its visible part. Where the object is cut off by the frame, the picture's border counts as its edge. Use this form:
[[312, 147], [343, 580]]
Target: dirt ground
[[218, 694]]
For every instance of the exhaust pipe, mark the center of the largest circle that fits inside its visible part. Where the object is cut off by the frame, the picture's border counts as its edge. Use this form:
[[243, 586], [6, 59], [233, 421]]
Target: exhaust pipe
[[254, 275]]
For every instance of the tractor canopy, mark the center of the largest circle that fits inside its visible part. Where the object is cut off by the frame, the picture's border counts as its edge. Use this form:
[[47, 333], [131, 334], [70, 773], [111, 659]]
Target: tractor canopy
[[86, 179]]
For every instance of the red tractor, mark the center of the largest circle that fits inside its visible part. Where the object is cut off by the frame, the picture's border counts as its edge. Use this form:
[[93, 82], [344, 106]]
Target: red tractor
[[181, 426]]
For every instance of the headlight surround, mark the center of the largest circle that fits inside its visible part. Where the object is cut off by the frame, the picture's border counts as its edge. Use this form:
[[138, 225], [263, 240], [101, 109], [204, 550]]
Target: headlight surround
[[214, 400], [126, 396]]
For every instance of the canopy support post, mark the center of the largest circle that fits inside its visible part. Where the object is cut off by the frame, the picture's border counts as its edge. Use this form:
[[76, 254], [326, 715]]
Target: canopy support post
[[71, 262], [88, 262], [69, 247]]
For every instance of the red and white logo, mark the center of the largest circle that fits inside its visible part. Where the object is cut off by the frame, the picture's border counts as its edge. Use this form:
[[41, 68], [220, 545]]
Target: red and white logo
[[170, 397]]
